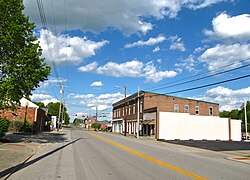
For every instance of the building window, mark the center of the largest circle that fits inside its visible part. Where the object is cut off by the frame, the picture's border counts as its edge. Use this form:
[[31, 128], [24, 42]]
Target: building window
[[186, 108], [211, 111], [129, 110], [114, 113], [197, 110], [134, 109], [119, 113], [140, 107], [123, 111], [176, 108]]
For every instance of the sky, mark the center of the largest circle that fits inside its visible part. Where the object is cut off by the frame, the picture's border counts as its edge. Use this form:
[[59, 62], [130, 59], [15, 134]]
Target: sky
[[96, 48]]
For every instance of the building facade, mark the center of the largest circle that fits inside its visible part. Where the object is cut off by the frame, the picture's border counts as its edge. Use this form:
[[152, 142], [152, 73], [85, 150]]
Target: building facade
[[33, 114], [149, 106]]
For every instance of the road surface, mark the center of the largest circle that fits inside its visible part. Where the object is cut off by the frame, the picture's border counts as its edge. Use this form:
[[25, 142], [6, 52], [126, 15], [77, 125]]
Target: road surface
[[91, 155]]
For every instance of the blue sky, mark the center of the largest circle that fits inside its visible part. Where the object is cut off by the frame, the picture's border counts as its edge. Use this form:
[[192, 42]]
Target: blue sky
[[98, 47]]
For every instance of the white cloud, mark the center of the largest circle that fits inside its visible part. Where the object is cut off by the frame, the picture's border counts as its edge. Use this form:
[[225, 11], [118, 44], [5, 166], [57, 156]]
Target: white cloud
[[80, 96], [97, 84], [222, 55], [156, 49], [227, 98], [64, 49], [236, 28], [199, 4], [44, 98], [149, 42], [37, 97], [52, 81], [132, 68], [127, 16], [176, 44], [153, 75], [100, 107], [189, 63], [47, 101], [128, 69]]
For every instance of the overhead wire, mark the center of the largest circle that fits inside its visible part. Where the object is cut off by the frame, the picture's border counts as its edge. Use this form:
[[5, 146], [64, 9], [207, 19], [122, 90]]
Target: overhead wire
[[47, 39], [204, 77], [189, 77], [203, 86]]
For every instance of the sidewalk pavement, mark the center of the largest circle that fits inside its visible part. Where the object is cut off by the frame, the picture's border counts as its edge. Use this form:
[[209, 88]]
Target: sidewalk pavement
[[17, 148]]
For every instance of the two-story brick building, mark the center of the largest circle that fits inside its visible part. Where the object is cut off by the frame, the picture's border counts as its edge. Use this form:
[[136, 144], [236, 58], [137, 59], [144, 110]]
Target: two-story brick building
[[150, 104]]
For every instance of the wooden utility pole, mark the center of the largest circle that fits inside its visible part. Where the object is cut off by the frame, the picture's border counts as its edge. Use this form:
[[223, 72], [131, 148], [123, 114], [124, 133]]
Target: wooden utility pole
[[60, 109], [125, 111], [138, 112]]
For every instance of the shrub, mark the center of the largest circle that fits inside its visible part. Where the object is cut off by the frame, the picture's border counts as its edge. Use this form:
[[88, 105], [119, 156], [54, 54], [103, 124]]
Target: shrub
[[4, 125], [16, 125], [26, 127], [96, 126]]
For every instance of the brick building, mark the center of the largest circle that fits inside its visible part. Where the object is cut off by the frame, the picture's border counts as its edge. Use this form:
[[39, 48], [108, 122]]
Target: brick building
[[34, 114], [150, 104]]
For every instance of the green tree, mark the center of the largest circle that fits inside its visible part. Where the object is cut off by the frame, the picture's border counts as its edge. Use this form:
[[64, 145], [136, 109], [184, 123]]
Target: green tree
[[234, 114], [96, 126], [21, 67], [224, 114], [77, 121], [53, 110], [40, 104]]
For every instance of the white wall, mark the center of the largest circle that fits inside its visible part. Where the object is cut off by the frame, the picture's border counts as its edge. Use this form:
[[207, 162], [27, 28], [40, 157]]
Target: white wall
[[185, 126]]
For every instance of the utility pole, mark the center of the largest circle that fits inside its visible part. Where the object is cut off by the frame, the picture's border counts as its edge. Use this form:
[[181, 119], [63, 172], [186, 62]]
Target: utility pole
[[60, 109], [96, 113], [138, 112], [125, 112], [246, 119]]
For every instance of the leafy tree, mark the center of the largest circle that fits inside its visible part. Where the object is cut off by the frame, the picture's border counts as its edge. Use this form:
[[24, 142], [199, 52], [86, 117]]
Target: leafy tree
[[21, 67], [53, 110], [40, 104], [4, 125], [234, 114], [224, 114], [78, 121], [96, 126]]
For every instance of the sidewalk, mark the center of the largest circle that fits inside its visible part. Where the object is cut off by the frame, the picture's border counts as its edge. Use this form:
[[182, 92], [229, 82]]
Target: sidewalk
[[15, 149]]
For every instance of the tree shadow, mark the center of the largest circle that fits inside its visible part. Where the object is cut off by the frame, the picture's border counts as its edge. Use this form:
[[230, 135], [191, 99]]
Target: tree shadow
[[213, 145], [44, 137], [27, 163]]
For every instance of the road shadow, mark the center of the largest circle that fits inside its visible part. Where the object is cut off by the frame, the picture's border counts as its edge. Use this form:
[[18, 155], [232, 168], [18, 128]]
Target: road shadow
[[27, 163], [213, 145], [43, 137]]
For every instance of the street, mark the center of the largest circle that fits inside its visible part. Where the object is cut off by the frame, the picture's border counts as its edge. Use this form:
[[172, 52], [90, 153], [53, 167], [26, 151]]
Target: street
[[96, 155]]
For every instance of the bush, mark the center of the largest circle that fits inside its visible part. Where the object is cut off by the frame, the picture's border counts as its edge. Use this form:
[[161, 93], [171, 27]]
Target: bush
[[16, 125], [96, 126], [4, 125], [26, 127]]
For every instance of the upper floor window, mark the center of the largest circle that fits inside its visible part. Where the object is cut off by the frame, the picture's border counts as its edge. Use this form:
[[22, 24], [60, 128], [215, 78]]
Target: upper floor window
[[140, 107], [129, 110], [197, 110], [123, 111], [114, 114], [134, 109], [186, 108], [176, 108], [211, 111]]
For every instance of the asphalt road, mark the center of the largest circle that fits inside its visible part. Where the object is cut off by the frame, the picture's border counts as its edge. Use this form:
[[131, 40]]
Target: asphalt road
[[89, 155]]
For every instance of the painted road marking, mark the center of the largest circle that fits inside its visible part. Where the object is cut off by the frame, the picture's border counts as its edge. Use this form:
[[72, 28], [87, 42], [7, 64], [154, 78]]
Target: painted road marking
[[169, 166]]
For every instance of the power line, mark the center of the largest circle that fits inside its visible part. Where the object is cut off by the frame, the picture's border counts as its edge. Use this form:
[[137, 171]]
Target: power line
[[44, 26], [205, 77], [189, 77], [207, 85]]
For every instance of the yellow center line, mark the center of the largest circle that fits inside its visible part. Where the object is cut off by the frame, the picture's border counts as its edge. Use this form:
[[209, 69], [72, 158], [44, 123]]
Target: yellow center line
[[169, 166]]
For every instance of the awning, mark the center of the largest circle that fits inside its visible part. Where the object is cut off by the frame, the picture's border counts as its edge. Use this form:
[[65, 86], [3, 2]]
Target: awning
[[149, 122]]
